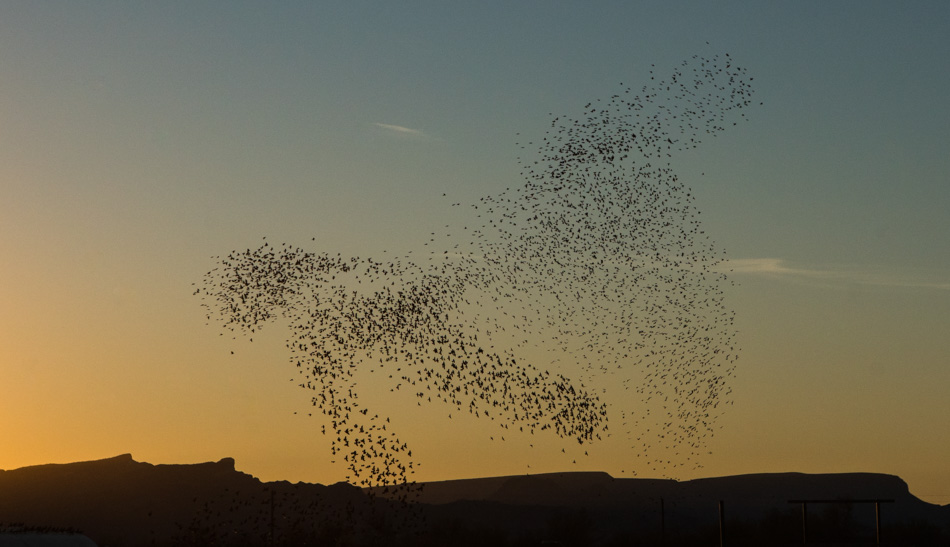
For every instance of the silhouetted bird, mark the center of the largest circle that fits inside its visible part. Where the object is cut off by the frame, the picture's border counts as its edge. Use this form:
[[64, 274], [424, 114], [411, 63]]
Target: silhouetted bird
[[598, 260]]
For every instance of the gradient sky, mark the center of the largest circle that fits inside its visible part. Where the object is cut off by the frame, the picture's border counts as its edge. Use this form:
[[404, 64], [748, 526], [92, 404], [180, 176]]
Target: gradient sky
[[138, 141]]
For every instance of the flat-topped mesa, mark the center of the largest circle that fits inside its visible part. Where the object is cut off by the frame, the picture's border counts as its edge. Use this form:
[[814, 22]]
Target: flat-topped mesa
[[591, 488], [119, 501], [805, 486]]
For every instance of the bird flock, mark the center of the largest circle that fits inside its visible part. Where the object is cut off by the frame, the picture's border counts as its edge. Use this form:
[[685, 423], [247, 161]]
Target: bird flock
[[588, 291]]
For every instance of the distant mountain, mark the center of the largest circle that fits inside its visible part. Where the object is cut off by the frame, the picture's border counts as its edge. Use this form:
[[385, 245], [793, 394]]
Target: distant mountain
[[595, 489], [121, 502], [757, 508]]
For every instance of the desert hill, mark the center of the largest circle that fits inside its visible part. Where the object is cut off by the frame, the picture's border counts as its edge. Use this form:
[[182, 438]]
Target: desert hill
[[122, 502], [119, 501]]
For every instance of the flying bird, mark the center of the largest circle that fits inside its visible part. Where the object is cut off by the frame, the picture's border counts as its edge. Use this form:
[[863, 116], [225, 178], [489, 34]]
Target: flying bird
[[597, 259]]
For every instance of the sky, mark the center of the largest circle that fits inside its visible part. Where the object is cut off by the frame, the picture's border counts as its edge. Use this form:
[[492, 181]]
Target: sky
[[139, 140]]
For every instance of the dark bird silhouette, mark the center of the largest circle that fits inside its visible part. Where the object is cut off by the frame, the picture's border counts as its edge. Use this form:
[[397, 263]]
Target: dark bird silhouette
[[598, 259]]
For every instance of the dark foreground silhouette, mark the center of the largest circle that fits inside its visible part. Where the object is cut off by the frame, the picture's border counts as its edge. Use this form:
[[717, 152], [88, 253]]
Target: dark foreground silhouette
[[121, 502]]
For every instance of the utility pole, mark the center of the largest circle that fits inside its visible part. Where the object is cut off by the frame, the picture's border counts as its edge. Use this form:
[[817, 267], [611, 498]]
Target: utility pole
[[662, 523], [877, 522], [877, 513], [273, 539], [804, 523], [722, 523]]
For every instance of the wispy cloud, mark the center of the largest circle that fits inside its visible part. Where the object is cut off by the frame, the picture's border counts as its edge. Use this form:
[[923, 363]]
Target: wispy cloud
[[400, 130], [780, 269]]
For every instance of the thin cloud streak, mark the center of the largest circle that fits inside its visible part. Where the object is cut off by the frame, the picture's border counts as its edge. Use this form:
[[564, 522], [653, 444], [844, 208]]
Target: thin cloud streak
[[398, 129], [779, 268]]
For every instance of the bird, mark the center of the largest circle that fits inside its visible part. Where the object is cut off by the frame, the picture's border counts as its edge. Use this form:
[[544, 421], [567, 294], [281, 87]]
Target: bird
[[597, 259]]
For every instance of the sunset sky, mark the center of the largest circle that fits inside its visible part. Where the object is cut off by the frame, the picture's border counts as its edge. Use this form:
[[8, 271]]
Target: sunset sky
[[139, 140]]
